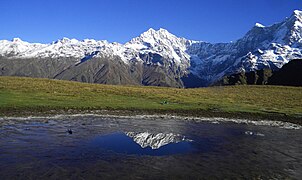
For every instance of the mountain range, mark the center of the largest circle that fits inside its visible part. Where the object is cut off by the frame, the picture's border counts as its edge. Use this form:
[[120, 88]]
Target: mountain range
[[156, 57]]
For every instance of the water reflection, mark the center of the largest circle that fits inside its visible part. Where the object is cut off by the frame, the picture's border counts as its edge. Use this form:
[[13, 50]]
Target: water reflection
[[155, 141], [111, 148], [143, 143]]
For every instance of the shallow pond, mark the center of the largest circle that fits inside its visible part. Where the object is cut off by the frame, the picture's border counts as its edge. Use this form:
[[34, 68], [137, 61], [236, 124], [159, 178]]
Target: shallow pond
[[103, 147]]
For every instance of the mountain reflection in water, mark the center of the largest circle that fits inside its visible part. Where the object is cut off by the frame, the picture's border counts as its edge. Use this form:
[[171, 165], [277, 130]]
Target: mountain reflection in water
[[155, 141], [148, 148], [143, 143]]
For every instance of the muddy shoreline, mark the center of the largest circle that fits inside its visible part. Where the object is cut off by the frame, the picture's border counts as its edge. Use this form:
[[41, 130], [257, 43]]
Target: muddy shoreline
[[12, 112], [139, 115]]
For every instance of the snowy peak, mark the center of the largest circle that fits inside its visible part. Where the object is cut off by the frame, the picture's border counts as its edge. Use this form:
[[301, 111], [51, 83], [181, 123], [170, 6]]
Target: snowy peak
[[65, 40], [17, 47], [288, 32], [296, 18], [297, 13], [16, 40], [164, 43], [293, 29], [259, 25], [156, 33], [152, 38]]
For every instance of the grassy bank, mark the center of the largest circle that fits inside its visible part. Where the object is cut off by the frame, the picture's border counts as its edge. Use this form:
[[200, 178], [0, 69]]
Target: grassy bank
[[19, 96]]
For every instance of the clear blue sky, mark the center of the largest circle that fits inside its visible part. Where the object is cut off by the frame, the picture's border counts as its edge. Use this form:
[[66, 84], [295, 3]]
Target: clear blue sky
[[120, 20]]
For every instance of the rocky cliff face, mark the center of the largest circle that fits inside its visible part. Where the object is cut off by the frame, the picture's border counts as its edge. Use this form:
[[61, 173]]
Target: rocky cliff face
[[156, 58], [289, 75]]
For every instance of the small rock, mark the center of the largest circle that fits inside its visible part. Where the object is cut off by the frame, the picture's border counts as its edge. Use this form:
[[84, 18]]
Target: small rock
[[69, 131]]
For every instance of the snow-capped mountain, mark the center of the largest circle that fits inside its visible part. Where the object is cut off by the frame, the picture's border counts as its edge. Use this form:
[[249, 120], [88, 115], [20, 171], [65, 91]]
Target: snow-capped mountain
[[163, 43], [156, 57], [18, 48], [262, 47], [155, 141]]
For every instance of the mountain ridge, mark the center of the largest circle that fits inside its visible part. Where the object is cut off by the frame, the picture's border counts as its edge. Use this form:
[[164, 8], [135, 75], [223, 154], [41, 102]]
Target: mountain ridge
[[156, 57]]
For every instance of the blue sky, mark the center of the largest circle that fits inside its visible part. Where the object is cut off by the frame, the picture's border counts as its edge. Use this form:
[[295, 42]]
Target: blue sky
[[120, 20]]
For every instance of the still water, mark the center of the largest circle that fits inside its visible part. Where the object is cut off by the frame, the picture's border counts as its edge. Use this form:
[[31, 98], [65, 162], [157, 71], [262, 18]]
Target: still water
[[101, 147]]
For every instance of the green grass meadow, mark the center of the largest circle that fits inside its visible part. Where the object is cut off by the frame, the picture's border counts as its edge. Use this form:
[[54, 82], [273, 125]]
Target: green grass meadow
[[18, 95]]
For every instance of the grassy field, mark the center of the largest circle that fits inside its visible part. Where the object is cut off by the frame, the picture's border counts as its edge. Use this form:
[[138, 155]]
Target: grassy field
[[21, 96]]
